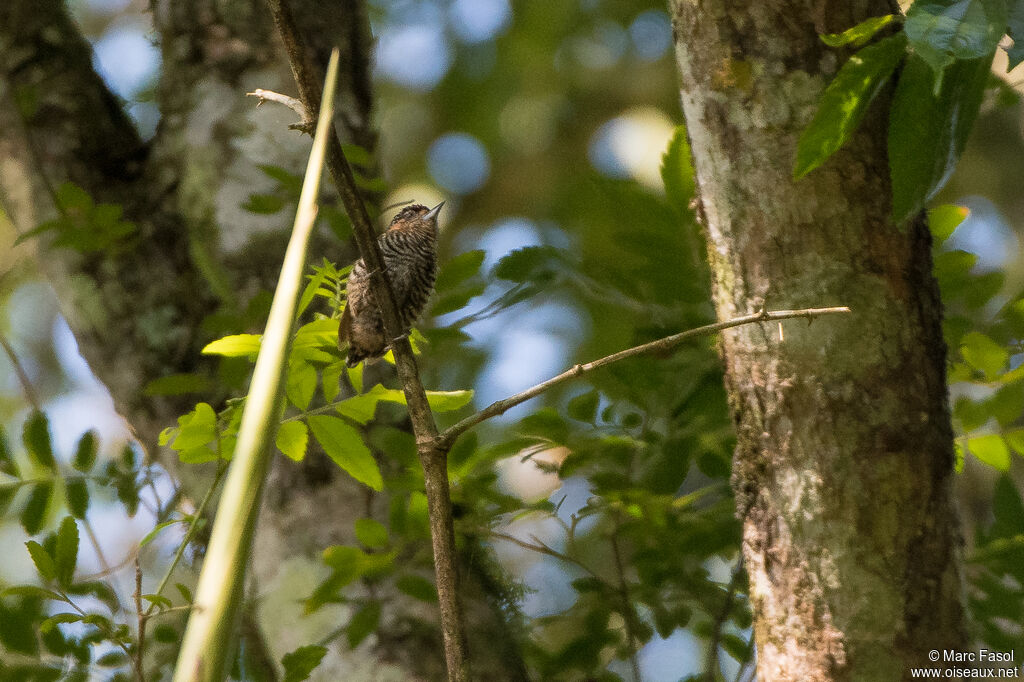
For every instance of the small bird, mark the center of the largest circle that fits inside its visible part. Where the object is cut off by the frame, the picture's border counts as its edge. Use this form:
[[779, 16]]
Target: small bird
[[409, 247]]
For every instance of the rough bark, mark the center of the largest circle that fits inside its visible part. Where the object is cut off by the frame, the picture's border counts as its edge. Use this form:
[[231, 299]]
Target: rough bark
[[138, 314], [843, 466]]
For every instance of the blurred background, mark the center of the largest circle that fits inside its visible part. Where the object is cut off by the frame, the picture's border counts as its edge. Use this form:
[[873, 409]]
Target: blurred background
[[541, 125]]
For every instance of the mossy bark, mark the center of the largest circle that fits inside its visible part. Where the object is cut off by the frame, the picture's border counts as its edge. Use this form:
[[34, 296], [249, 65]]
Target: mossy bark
[[843, 466]]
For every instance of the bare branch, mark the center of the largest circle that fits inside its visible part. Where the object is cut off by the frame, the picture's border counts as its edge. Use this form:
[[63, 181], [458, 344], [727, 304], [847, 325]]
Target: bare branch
[[446, 439], [432, 457], [294, 104]]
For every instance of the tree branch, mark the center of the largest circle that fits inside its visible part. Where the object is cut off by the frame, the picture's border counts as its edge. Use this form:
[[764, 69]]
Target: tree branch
[[432, 456], [446, 439]]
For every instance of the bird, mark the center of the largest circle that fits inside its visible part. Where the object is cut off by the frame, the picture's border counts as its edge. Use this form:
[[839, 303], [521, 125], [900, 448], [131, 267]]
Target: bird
[[409, 247]]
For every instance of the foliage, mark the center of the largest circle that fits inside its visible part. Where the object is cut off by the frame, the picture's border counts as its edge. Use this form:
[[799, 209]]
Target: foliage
[[648, 548], [943, 54]]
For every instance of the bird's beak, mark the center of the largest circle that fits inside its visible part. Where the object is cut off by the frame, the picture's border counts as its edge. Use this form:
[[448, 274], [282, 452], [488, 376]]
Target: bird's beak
[[432, 213]]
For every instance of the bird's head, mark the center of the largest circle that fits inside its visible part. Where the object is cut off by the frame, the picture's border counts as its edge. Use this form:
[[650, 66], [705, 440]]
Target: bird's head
[[416, 217]]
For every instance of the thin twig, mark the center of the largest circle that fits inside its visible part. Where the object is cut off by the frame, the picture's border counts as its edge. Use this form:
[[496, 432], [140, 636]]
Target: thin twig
[[196, 518], [541, 548], [26, 383], [627, 606], [711, 660], [498, 407], [294, 104], [432, 457], [140, 645]]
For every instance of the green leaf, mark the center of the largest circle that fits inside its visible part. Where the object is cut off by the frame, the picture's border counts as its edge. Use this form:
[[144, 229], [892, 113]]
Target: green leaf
[[158, 601], [235, 346], [292, 438], [71, 197], [36, 437], [31, 591], [1015, 439], [943, 220], [300, 384], [361, 408], [530, 263], [42, 559], [991, 450], [177, 384], [845, 101], [447, 401], [151, 535], [459, 269], [345, 446], [417, 587], [355, 377], [371, 533], [1015, 27], [362, 623], [677, 170], [65, 555], [56, 619], [356, 155], [315, 281], [85, 453], [330, 380], [319, 335], [300, 663], [6, 457], [584, 406], [944, 31], [263, 203], [34, 513], [77, 493], [859, 34], [984, 354], [196, 429], [928, 132], [290, 182], [457, 300]]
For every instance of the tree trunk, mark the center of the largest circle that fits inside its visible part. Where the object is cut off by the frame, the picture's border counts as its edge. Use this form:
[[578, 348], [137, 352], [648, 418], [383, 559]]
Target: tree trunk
[[843, 465]]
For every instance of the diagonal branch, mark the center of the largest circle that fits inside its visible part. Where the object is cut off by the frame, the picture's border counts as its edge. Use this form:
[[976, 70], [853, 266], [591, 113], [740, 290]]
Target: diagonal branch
[[432, 457], [446, 439]]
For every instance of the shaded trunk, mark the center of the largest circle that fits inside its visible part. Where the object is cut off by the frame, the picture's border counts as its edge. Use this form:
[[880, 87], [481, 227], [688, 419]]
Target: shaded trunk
[[843, 466]]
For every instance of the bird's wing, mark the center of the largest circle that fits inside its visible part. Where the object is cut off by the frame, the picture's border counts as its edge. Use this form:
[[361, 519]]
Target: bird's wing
[[345, 326]]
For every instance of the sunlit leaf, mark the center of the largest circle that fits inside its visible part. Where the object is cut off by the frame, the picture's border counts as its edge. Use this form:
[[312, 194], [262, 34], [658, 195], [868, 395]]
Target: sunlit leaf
[[345, 446], [859, 34], [300, 384], [235, 346], [990, 449], [943, 220], [677, 170], [292, 438], [984, 354], [845, 101]]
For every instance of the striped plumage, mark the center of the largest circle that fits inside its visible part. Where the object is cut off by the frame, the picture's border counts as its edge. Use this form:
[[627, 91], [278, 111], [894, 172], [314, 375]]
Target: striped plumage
[[409, 247]]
